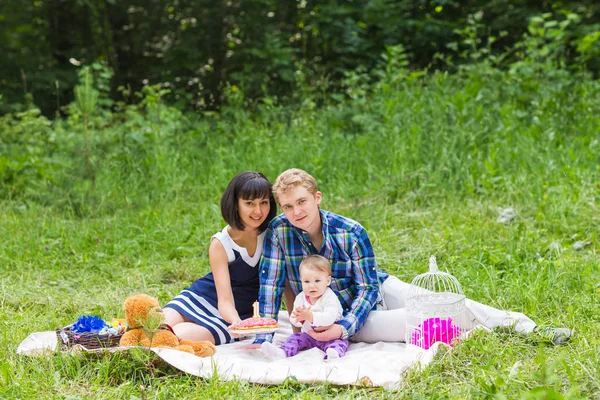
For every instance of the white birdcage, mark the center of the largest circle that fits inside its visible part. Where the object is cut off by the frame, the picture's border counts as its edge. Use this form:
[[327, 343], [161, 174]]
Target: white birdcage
[[435, 308]]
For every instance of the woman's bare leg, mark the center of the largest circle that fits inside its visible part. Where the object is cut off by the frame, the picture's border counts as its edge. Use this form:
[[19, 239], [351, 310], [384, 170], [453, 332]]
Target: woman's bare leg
[[193, 332], [172, 317]]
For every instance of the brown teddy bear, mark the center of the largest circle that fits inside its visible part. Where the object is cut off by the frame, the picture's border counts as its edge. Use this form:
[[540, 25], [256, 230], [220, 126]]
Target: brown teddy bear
[[145, 328]]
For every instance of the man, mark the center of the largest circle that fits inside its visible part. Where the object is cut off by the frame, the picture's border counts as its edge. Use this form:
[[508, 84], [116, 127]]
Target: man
[[373, 301]]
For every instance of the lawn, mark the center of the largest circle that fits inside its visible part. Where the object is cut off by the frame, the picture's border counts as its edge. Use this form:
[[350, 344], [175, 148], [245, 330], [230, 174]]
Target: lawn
[[424, 165]]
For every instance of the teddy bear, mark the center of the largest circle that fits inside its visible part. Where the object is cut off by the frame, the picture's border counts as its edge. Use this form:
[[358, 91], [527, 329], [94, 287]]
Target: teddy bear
[[145, 328]]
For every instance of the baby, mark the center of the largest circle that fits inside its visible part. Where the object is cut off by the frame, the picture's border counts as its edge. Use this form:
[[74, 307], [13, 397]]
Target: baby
[[315, 306]]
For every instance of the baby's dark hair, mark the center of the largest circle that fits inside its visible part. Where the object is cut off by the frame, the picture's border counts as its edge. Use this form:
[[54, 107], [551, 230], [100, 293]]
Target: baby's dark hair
[[316, 262], [248, 185]]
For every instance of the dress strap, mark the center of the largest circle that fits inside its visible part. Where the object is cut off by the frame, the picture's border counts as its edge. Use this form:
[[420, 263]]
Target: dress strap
[[226, 241]]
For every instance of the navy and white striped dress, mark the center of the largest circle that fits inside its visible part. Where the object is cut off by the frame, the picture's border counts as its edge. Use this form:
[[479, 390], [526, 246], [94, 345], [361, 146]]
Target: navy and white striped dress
[[199, 302]]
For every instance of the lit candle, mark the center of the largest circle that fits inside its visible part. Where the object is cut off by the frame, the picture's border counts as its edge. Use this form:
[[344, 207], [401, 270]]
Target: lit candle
[[255, 307]]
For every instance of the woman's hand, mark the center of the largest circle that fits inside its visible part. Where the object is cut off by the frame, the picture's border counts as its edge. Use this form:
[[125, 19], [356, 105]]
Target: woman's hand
[[237, 335], [234, 326]]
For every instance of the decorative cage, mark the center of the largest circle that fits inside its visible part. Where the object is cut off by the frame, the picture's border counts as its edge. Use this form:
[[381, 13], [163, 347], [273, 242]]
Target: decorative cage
[[435, 308]]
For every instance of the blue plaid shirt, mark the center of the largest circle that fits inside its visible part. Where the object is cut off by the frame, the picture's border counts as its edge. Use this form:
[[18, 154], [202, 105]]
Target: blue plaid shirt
[[355, 277]]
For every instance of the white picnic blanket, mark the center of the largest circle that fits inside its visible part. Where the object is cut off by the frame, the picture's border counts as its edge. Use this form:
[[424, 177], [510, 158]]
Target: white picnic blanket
[[379, 364]]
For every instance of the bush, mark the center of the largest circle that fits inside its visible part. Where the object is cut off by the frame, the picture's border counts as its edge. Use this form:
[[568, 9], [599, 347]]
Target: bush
[[27, 153]]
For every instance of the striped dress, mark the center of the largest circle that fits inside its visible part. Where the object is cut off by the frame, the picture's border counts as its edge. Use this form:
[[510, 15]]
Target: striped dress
[[199, 302]]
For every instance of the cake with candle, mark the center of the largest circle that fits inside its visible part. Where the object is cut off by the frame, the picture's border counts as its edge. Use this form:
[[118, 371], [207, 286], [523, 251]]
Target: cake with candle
[[256, 324]]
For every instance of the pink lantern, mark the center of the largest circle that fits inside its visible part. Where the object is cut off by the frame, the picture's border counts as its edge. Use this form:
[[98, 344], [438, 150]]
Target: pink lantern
[[435, 330]]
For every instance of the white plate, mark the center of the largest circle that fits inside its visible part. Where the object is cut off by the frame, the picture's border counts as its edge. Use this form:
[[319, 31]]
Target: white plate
[[253, 331]]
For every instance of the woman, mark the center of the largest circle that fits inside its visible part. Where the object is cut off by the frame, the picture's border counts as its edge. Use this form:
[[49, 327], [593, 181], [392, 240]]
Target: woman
[[225, 296]]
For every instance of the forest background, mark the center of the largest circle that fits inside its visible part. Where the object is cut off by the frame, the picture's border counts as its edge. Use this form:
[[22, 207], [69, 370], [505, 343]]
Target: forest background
[[269, 48], [465, 129]]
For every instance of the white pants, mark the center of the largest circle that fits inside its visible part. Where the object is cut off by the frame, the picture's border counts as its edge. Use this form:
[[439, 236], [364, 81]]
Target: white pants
[[388, 322]]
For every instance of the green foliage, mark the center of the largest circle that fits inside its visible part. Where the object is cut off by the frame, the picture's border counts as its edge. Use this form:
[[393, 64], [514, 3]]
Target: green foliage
[[92, 95], [283, 52], [588, 46], [151, 324], [86, 97], [27, 150], [544, 49], [474, 45]]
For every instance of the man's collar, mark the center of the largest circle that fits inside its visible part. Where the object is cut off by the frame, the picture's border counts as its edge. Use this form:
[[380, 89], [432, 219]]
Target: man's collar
[[324, 224], [324, 229], [325, 232]]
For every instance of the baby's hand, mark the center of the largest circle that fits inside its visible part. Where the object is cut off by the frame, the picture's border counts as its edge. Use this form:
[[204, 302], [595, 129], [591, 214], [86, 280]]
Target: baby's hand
[[303, 314], [296, 313]]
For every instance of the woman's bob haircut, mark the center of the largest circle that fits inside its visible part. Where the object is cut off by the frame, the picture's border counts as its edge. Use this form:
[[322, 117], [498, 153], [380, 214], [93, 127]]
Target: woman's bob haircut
[[248, 185]]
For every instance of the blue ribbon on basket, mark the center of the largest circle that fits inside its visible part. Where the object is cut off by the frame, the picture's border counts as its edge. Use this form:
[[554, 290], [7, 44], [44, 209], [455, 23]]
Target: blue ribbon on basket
[[88, 323]]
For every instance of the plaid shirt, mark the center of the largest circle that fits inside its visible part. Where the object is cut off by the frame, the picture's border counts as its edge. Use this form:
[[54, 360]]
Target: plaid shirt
[[355, 278]]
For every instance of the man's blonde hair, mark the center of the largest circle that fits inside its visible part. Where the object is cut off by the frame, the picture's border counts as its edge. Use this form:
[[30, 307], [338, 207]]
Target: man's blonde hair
[[316, 262], [292, 178]]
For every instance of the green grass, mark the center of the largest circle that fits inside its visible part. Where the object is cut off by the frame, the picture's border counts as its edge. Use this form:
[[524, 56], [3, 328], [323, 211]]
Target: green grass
[[424, 166]]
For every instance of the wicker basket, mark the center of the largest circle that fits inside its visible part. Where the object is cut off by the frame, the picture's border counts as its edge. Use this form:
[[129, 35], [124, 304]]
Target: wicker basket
[[90, 341]]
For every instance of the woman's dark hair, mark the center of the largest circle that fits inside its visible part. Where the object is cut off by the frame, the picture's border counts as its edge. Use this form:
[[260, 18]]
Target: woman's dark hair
[[247, 186]]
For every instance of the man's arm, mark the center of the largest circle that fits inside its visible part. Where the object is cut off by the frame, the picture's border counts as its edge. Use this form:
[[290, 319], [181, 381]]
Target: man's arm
[[272, 280], [364, 269]]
